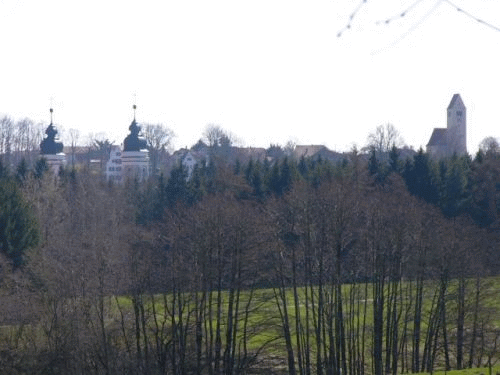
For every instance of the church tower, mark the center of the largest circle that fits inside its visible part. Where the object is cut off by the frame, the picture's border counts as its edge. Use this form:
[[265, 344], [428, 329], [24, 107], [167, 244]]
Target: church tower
[[456, 127], [135, 155], [52, 148]]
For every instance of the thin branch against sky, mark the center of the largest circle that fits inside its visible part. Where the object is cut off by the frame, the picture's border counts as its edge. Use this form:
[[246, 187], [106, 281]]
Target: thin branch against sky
[[412, 28], [408, 10], [471, 16]]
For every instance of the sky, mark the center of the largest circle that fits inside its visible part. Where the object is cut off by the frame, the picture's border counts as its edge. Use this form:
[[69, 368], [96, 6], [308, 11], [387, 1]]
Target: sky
[[267, 72]]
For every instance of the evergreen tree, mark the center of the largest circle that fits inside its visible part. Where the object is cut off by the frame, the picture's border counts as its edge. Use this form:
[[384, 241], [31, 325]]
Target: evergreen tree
[[41, 167], [421, 179], [18, 227], [302, 168], [22, 171], [454, 192], [237, 167], [4, 171], [249, 171], [197, 184], [484, 190], [257, 183], [373, 163], [394, 162], [274, 180], [253, 176], [479, 156], [177, 188], [286, 176], [375, 168], [210, 175]]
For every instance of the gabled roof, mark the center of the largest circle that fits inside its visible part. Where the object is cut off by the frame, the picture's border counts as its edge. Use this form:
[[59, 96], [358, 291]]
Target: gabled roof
[[314, 151], [456, 101], [307, 150], [247, 153], [438, 137]]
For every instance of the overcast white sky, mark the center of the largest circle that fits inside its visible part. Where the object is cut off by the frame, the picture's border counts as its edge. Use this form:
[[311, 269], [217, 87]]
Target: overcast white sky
[[267, 71]]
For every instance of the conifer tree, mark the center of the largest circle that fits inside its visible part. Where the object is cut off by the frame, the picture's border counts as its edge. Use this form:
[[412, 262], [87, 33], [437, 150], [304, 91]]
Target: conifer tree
[[373, 163], [454, 194], [4, 171], [302, 167], [176, 188], [41, 168], [394, 162], [18, 227], [22, 171], [421, 178]]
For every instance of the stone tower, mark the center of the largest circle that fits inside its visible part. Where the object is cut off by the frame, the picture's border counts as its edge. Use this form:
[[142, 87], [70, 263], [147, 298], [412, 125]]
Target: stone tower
[[446, 142], [457, 127]]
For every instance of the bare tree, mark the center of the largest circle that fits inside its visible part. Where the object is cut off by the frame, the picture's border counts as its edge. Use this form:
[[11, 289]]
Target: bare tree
[[383, 139], [74, 135], [159, 138], [490, 146], [215, 136], [219, 141], [6, 138], [99, 147]]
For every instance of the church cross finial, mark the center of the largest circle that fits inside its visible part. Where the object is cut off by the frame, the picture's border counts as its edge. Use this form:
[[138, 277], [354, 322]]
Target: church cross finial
[[135, 106], [51, 113]]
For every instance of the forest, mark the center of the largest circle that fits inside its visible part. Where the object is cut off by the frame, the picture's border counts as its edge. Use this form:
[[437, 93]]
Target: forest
[[371, 265]]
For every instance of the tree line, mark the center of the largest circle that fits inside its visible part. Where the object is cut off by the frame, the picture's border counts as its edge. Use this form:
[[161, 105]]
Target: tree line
[[370, 265]]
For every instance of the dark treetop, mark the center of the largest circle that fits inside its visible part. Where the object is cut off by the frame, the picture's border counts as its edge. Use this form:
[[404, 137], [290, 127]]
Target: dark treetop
[[134, 142], [50, 144]]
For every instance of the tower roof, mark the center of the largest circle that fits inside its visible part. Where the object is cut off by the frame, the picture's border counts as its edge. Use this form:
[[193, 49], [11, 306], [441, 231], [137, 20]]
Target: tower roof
[[134, 141], [51, 144], [456, 101]]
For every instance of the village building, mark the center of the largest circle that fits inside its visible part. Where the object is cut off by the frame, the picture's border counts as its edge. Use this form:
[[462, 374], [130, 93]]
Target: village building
[[189, 158]]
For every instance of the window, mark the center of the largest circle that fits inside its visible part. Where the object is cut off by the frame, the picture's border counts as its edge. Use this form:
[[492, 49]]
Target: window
[[118, 169], [111, 169], [459, 113]]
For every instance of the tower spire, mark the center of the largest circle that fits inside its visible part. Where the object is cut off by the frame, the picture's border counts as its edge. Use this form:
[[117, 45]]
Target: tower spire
[[51, 115], [135, 102]]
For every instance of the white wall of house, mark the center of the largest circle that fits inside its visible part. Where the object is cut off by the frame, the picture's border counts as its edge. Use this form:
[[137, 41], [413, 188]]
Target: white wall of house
[[114, 167]]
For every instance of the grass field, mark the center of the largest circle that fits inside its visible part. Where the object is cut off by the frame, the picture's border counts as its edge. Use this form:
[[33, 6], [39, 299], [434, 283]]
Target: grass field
[[130, 324]]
